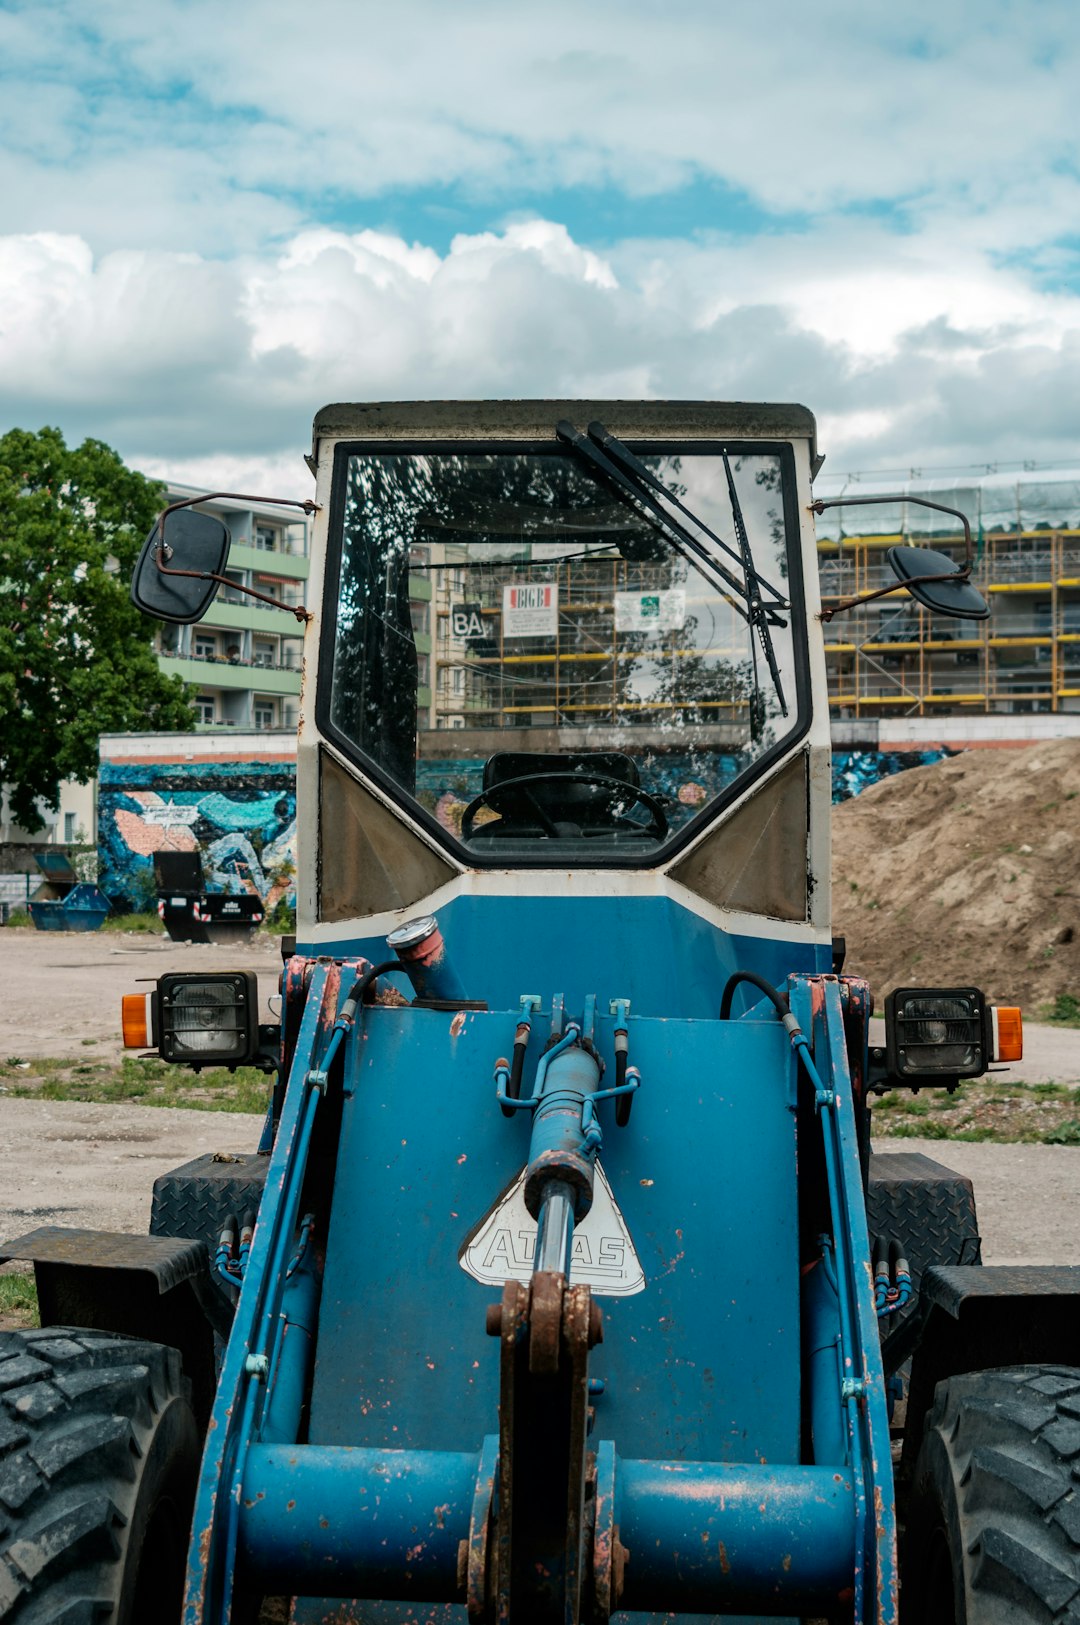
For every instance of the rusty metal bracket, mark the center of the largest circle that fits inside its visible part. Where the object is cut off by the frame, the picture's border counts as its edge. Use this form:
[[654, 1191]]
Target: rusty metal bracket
[[542, 1556]]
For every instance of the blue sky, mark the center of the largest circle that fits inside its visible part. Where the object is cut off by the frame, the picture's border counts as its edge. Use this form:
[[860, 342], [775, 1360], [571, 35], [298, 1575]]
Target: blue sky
[[215, 219]]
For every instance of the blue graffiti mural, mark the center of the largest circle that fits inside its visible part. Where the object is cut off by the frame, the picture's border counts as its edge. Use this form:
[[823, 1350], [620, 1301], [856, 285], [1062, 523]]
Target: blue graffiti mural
[[239, 816], [684, 780], [858, 769]]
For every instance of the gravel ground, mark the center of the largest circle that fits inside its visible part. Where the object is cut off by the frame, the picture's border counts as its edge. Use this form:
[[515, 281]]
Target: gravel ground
[[71, 1163]]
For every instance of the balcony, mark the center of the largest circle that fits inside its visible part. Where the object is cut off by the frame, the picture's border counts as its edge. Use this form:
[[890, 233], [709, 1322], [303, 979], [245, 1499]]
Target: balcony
[[209, 672], [293, 565]]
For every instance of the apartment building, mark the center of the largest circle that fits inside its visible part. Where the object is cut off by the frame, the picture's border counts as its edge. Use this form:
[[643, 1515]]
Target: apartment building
[[243, 659]]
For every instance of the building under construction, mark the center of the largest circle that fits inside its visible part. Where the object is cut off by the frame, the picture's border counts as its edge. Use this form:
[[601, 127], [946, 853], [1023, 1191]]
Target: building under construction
[[894, 658], [889, 659]]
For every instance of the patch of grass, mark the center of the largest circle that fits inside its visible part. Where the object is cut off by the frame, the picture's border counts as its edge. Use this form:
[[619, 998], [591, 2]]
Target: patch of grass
[[1063, 1012], [19, 917], [1006, 1113], [148, 923], [18, 1301], [145, 1082]]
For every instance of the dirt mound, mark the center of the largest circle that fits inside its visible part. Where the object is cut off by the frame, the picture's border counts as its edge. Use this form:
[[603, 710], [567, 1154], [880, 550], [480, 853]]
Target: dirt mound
[[966, 873]]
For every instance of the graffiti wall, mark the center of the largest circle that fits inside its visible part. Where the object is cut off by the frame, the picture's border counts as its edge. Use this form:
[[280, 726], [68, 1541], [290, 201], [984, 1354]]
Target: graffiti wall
[[856, 770], [240, 816], [684, 780]]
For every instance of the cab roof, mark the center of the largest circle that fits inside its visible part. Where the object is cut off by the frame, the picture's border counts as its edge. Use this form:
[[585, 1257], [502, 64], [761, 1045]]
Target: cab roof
[[536, 420]]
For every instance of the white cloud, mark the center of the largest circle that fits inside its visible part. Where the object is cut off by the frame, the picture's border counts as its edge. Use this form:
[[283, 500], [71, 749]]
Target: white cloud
[[190, 122], [174, 175], [194, 366]]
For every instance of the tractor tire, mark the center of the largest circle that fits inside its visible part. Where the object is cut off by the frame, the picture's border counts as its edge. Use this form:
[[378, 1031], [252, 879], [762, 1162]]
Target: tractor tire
[[99, 1461], [992, 1531]]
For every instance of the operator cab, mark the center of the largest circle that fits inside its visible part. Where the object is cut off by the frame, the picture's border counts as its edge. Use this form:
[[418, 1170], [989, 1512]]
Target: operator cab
[[570, 650]]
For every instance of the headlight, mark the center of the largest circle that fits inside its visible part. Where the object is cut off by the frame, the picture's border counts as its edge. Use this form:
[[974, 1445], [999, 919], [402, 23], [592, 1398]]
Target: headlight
[[937, 1032], [208, 1020]]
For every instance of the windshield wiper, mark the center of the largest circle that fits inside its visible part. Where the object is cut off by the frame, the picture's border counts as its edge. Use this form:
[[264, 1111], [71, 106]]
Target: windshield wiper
[[759, 619], [760, 615], [642, 501], [625, 472], [602, 437]]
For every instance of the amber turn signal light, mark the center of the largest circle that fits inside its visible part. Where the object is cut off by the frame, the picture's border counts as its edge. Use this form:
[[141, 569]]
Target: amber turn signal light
[[1008, 1033], [134, 1022]]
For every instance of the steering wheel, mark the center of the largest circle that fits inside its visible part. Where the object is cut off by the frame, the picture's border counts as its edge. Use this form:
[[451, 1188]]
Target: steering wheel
[[490, 798]]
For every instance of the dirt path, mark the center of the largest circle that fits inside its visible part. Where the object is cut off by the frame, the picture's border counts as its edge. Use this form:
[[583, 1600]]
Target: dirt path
[[68, 1162]]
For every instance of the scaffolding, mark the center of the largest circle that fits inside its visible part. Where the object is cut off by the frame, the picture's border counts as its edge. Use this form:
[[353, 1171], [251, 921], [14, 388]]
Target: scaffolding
[[895, 656]]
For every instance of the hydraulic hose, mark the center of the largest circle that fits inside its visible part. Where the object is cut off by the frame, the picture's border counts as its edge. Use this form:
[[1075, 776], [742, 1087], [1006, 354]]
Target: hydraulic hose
[[779, 1000], [361, 985]]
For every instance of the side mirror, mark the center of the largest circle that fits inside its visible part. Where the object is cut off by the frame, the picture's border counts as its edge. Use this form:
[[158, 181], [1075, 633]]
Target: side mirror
[[176, 579], [926, 575]]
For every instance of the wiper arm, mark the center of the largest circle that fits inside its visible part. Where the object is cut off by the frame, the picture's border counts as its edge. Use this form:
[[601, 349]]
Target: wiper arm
[[759, 614], [602, 437], [645, 504], [759, 618], [640, 482]]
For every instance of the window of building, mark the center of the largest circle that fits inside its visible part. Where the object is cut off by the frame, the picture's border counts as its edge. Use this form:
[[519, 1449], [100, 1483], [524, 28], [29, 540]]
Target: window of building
[[265, 652], [204, 708], [266, 538], [205, 646], [423, 670], [264, 714], [418, 614], [69, 828]]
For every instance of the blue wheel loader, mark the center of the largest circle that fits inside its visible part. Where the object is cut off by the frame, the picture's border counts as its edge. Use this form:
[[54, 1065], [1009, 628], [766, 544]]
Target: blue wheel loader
[[565, 1283]]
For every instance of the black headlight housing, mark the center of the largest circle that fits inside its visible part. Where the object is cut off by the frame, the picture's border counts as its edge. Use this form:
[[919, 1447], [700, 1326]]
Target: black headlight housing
[[937, 1034], [207, 1020]]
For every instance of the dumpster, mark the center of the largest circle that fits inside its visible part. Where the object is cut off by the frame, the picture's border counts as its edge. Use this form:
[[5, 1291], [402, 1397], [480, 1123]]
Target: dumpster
[[191, 913], [62, 901]]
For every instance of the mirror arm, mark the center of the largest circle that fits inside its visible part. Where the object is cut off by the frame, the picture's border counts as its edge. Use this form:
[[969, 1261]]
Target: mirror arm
[[897, 586], [963, 573], [306, 506]]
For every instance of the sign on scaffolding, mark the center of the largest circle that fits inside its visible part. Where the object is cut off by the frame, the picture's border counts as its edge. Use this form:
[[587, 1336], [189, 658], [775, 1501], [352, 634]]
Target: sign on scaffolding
[[531, 611], [650, 611]]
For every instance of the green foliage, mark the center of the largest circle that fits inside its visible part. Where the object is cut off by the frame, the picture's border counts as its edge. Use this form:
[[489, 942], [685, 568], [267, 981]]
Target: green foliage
[[18, 1300], [150, 923], [19, 916], [1065, 1010], [75, 654], [144, 1080], [1067, 1133]]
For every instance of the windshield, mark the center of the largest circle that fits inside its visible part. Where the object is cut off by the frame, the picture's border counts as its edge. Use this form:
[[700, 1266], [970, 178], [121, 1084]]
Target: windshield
[[550, 670]]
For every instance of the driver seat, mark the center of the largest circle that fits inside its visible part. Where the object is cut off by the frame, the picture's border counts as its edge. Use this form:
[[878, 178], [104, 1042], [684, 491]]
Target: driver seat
[[573, 805], [515, 764]]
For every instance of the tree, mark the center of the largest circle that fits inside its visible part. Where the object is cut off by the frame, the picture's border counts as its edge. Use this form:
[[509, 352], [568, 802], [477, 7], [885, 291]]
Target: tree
[[75, 654]]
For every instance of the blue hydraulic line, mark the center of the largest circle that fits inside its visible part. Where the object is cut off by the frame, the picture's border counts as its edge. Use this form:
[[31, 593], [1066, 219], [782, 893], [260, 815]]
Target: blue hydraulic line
[[502, 1074], [254, 1345], [825, 1100]]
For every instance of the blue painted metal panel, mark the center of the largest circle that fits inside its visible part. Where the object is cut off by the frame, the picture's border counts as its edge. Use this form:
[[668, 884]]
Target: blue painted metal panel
[[703, 1364], [667, 960]]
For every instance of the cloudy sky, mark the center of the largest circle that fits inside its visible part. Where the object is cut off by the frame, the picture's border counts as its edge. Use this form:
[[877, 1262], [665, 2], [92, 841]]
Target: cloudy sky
[[217, 218]]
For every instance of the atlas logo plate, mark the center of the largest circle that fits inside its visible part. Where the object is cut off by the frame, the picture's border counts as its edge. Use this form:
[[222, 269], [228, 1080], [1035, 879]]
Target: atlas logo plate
[[502, 1246]]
